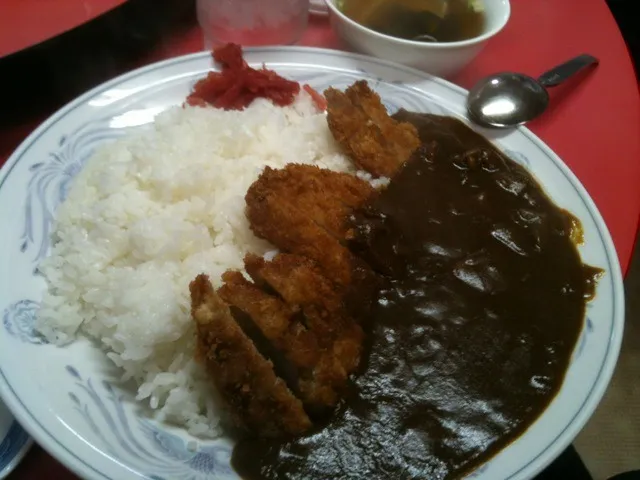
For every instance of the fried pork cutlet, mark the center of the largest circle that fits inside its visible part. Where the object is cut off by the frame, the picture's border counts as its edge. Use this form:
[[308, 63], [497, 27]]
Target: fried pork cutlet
[[277, 320], [300, 282], [293, 324], [326, 196], [315, 336], [361, 125], [258, 399], [303, 209], [291, 321]]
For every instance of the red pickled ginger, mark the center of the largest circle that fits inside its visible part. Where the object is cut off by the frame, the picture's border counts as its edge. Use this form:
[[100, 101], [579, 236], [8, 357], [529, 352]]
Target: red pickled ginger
[[237, 84]]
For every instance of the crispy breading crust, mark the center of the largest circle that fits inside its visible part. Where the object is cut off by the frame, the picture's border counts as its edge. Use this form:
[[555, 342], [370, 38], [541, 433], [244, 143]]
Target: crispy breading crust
[[276, 319], [303, 209], [324, 195], [299, 281], [258, 400], [321, 375], [360, 124]]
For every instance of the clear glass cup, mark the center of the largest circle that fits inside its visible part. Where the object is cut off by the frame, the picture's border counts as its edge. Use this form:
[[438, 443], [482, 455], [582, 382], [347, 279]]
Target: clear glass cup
[[252, 22]]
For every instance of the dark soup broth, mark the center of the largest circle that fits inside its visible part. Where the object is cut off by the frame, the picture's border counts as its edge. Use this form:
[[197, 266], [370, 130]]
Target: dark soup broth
[[444, 20]]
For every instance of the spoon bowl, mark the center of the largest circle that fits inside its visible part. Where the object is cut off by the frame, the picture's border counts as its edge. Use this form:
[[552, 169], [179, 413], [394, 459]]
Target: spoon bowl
[[509, 99]]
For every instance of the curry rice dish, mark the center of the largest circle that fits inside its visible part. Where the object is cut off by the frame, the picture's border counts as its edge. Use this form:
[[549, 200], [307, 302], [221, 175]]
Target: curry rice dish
[[372, 296], [438, 314]]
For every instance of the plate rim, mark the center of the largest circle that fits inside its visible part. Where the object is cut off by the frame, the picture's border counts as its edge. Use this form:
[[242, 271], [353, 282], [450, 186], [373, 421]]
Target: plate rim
[[83, 468], [15, 433]]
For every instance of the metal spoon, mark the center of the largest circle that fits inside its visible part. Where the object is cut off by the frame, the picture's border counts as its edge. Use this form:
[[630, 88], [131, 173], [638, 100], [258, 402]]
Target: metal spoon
[[509, 99]]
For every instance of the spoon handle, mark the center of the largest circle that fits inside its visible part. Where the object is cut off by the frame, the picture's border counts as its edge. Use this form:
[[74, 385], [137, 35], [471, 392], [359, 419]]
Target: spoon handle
[[559, 74]]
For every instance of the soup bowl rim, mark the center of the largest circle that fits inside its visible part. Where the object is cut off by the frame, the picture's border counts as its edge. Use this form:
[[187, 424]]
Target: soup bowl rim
[[503, 12]]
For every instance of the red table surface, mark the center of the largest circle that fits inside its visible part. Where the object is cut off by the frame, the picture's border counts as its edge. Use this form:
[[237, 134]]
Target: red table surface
[[28, 22], [593, 126]]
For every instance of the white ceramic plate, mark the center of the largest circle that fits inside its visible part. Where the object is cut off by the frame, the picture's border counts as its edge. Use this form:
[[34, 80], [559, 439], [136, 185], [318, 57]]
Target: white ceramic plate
[[14, 442], [318, 7], [95, 428]]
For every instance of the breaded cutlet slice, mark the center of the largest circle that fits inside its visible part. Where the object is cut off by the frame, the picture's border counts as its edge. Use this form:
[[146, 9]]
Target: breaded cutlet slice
[[372, 139], [300, 282], [258, 400], [319, 375], [278, 321], [325, 196], [280, 222], [302, 209]]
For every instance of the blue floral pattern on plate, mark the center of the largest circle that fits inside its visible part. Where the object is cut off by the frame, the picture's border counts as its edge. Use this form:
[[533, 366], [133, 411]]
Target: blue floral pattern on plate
[[159, 453], [19, 321], [11, 446], [51, 180]]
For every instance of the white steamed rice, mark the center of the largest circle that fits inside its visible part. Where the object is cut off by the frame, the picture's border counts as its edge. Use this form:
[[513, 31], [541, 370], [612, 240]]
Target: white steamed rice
[[146, 215]]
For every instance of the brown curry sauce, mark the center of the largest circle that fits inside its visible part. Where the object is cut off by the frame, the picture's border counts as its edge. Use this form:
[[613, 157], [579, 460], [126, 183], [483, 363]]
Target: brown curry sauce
[[472, 333]]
